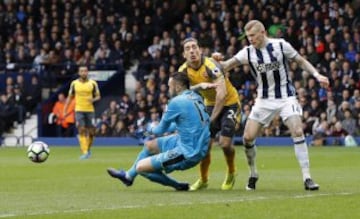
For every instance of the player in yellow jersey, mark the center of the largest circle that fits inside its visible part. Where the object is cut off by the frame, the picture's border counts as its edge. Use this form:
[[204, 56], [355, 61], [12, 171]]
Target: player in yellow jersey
[[86, 92], [223, 105]]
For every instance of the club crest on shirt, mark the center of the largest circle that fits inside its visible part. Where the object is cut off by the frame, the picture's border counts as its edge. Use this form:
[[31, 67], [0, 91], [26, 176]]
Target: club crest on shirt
[[216, 72]]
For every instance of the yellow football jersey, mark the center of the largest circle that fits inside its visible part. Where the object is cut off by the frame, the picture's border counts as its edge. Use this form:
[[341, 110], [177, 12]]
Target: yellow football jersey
[[209, 71], [84, 92]]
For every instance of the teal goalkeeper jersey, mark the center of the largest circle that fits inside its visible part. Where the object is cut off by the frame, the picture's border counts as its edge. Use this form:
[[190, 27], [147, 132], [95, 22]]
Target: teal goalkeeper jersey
[[188, 112]]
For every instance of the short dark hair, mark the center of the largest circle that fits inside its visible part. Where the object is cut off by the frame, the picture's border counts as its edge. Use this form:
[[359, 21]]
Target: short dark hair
[[83, 66], [189, 39], [181, 78]]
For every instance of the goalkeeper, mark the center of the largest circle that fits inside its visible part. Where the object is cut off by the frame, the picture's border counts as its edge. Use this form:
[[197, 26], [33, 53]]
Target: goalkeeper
[[179, 151]]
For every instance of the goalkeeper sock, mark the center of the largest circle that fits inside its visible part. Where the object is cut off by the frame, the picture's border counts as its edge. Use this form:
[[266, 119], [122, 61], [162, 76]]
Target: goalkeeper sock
[[162, 179], [131, 173]]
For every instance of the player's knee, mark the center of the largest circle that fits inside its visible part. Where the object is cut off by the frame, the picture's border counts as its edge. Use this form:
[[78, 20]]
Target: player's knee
[[248, 138], [152, 146], [92, 131], [82, 130], [144, 166], [225, 142], [298, 132], [140, 167], [229, 151]]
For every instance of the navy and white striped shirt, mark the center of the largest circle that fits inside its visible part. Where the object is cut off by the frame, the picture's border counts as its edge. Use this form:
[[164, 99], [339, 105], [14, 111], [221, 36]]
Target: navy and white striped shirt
[[270, 68]]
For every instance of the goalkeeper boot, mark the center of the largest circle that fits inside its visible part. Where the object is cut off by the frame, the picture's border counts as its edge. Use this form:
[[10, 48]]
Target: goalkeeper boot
[[183, 187], [251, 183], [309, 184], [198, 185], [121, 175], [229, 181]]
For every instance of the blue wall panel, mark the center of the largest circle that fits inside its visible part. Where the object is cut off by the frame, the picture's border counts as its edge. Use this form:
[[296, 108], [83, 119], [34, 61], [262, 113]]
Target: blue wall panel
[[113, 141]]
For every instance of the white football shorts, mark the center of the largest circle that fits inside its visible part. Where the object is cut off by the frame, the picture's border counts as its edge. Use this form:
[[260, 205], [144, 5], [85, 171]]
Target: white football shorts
[[264, 110]]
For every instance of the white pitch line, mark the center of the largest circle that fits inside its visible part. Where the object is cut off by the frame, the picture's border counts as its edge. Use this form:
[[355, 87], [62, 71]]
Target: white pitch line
[[322, 194], [7, 215], [259, 198]]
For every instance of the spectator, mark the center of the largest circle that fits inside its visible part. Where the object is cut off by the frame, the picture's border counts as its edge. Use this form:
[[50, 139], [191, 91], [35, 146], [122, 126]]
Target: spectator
[[102, 59], [141, 125], [153, 121], [166, 41], [355, 97], [339, 132], [65, 122], [21, 84], [8, 113], [349, 123], [88, 20], [347, 70], [320, 133], [103, 131], [87, 59], [103, 119], [68, 67], [125, 104], [156, 46], [117, 53], [103, 50], [340, 114], [112, 110], [113, 121], [314, 108], [330, 110], [350, 53], [18, 100], [120, 130], [34, 94]]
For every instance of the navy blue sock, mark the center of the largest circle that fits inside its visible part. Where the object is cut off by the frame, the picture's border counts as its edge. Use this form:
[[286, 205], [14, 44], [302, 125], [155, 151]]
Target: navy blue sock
[[162, 179]]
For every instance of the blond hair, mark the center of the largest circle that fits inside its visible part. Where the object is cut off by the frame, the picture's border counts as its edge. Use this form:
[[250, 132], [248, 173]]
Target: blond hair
[[254, 24]]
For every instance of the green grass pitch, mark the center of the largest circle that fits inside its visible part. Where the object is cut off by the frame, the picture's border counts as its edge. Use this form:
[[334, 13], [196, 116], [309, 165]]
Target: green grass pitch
[[66, 187]]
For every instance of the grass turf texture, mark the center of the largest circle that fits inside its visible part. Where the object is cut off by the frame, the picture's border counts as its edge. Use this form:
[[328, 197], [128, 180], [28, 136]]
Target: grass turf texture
[[66, 187]]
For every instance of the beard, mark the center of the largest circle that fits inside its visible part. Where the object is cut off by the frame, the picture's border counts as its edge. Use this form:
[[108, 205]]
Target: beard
[[172, 93]]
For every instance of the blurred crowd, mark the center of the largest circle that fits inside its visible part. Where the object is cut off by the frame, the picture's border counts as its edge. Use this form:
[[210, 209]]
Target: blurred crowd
[[66, 33]]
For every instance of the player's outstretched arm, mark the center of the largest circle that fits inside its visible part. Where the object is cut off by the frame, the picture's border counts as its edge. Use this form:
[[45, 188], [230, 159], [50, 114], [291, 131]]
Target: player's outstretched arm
[[307, 66], [168, 120], [203, 86], [227, 65]]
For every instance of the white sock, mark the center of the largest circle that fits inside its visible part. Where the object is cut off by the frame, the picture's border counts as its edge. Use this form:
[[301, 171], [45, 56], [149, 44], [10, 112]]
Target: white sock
[[301, 153], [250, 152]]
